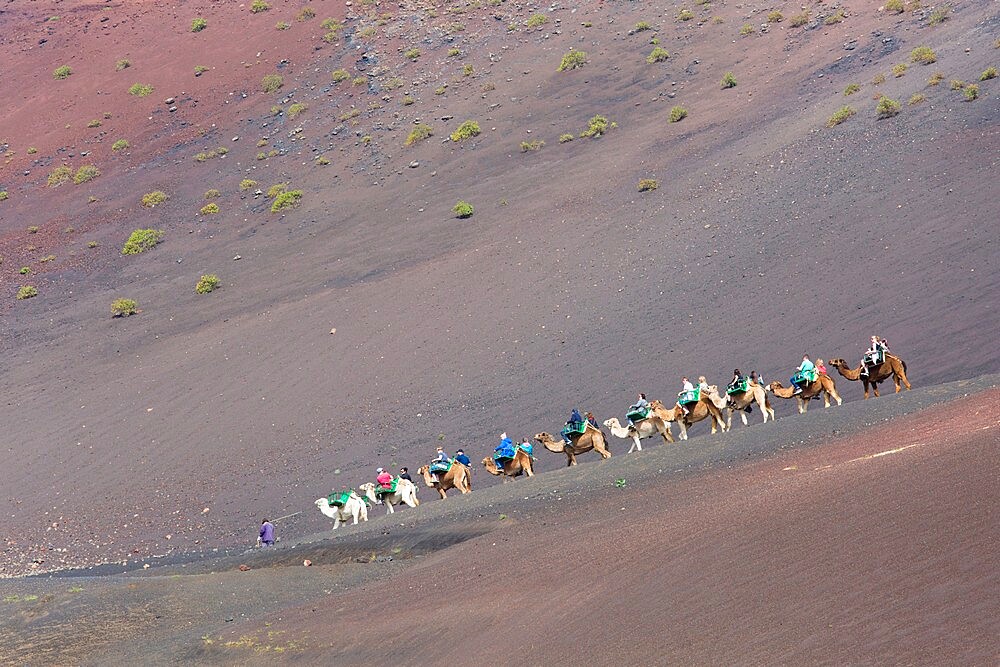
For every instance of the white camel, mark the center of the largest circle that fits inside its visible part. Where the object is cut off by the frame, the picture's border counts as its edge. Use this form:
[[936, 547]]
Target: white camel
[[405, 494], [355, 508], [645, 428]]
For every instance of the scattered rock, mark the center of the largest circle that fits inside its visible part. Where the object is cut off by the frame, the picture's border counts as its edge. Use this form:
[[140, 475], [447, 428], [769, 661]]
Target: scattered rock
[[243, 568], [307, 563], [414, 164]]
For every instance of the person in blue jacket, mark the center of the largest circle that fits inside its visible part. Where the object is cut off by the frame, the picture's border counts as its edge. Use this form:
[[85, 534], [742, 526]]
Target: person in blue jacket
[[462, 458]]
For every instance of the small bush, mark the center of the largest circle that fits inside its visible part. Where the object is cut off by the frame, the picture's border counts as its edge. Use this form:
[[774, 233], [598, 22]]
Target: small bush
[[453, 52], [198, 24], [412, 53], [840, 116], [33, 229], [878, 79], [59, 175], [462, 209], [923, 54], [339, 75], [648, 184], [119, 145], [565, 138], [3, 195], [746, 29], [799, 20], [887, 107], [322, 160], [199, 70], [31, 150], [596, 127], [537, 20], [286, 200], [988, 73], [572, 60], [534, 145], [124, 307], [26, 292], [212, 194], [62, 72], [899, 70], [851, 89], [271, 82], [94, 123], [642, 26], [247, 184], [677, 114], [728, 80], [836, 17], [154, 198], [440, 90], [296, 109], [25, 270], [957, 84], [657, 55], [277, 189], [91, 244], [895, 6], [124, 63], [331, 24], [939, 15], [466, 130], [359, 81], [420, 132], [971, 92], [207, 283], [87, 172], [209, 209], [916, 98], [142, 240], [259, 6], [775, 17], [282, 25], [467, 70], [140, 89], [407, 101], [305, 14], [685, 15]]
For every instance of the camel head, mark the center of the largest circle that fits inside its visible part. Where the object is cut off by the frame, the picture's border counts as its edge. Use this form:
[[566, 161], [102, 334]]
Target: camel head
[[612, 423], [320, 502], [774, 385], [839, 363], [366, 487], [542, 437]]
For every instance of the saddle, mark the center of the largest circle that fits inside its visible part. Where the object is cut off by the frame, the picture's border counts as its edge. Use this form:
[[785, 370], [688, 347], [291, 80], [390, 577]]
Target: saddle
[[638, 414], [739, 387], [382, 491], [442, 466], [686, 397], [339, 498], [802, 377], [574, 428]]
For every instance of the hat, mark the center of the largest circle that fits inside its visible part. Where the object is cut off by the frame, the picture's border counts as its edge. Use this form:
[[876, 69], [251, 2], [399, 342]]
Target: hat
[[503, 435], [459, 451], [380, 470]]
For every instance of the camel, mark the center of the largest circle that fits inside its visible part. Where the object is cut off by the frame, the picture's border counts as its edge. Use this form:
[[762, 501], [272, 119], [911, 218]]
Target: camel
[[893, 367], [739, 401], [708, 405], [644, 428], [355, 508], [823, 385], [405, 494], [520, 464], [458, 477], [591, 438]]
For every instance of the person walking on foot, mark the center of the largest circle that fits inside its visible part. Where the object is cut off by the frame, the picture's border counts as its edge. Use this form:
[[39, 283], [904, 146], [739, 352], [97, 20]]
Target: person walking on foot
[[266, 535]]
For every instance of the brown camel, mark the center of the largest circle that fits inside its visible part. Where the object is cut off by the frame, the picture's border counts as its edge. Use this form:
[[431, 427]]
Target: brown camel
[[708, 405], [591, 438], [823, 385], [893, 367], [520, 464], [739, 401], [458, 477]]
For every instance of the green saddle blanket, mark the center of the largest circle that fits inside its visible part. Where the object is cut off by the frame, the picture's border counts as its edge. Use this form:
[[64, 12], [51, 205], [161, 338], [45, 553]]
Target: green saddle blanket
[[805, 376], [739, 387], [686, 397], [638, 414], [339, 498], [380, 491], [574, 428]]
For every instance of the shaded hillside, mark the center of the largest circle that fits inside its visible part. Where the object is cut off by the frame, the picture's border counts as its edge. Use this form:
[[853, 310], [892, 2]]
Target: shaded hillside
[[769, 236]]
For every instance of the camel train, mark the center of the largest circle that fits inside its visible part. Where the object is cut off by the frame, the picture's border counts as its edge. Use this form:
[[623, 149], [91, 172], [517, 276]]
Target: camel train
[[648, 420]]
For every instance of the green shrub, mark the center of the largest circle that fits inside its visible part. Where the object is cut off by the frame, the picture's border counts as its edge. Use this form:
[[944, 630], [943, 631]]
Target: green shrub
[[648, 185], [534, 145], [199, 70], [212, 194], [271, 82], [87, 172], [119, 145], [836, 17], [412, 53], [247, 184], [440, 90], [339, 75], [198, 24], [988, 73], [282, 25], [467, 70], [565, 138], [916, 98], [466, 130], [799, 20], [31, 150], [33, 229], [840, 116], [957, 84], [348, 115], [286, 200], [572, 60], [728, 80], [420, 132], [359, 81], [887, 107], [851, 89], [878, 79], [26, 292], [124, 307], [657, 55], [923, 54], [154, 198], [59, 175], [775, 17], [259, 6], [939, 15], [142, 240], [677, 114], [124, 63], [895, 6], [209, 209], [94, 123], [331, 24], [305, 14], [462, 209], [596, 127], [899, 70], [277, 189], [207, 283], [537, 20], [322, 160], [296, 109], [746, 29], [685, 15], [407, 101], [3, 195], [393, 83], [453, 52], [25, 270], [971, 92], [91, 244], [140, 89], [642, 26], [62, 72]]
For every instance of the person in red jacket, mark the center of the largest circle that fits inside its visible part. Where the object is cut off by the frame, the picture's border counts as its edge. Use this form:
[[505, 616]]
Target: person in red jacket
[[384, 479]]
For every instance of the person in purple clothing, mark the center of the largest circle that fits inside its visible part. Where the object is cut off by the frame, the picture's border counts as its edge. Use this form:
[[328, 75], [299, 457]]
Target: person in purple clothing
[[266, 535]]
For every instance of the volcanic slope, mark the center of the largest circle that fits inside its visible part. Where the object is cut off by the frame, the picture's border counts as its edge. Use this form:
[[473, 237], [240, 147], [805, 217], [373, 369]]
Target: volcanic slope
[[770, 235]]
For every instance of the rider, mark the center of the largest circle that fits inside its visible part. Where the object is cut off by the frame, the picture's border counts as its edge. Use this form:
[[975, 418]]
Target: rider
[[384, 479], [592, 420], [505, 449], [736, 381], [462, 458], [805, 367], [874, 355], [640, 404], [756, 378], [820, 367], [441, 458], [574, 419], [685, 391]]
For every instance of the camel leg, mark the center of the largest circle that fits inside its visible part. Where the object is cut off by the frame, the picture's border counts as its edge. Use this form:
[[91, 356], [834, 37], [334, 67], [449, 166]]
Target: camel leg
[[336, 521], [906, 383], [743, 416], [684, 432], [875, 389], [388, 507], [528, 471], [636, 445], [768, 411], [667, 435], [803, 405], [729, 418]]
